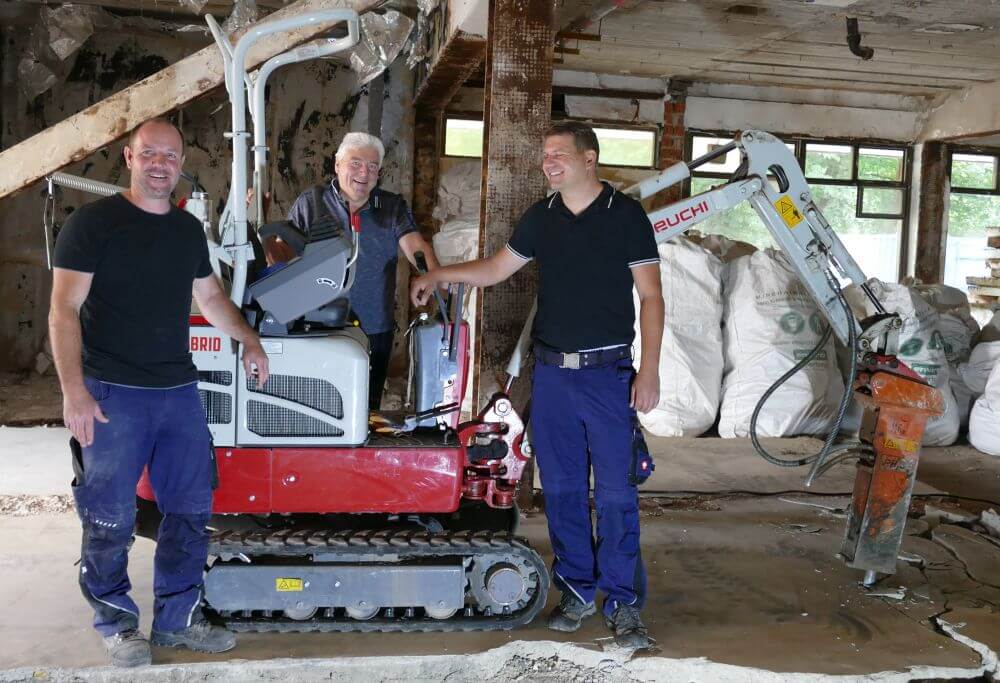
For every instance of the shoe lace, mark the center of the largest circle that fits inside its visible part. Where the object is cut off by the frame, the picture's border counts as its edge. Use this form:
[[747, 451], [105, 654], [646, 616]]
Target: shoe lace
[[570, 603], [626, 620]]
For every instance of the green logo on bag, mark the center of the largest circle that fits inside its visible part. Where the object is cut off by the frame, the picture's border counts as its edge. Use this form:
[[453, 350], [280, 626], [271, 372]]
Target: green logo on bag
[[816, 323], [937, 342], [792, 322], [911, 347]]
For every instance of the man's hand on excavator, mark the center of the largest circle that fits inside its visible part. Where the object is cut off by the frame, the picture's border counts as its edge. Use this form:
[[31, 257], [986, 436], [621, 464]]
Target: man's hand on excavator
[[422, 288], [79, 412], [645, 391], [255, 362]]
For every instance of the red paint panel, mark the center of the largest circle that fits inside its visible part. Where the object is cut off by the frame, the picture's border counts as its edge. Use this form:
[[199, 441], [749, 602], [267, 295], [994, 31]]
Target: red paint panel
[[244, 473], [367, 480], [198, 320], [244, 480]]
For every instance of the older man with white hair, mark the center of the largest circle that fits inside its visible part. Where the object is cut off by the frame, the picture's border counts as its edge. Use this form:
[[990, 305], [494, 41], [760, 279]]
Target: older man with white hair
[[383, 224]]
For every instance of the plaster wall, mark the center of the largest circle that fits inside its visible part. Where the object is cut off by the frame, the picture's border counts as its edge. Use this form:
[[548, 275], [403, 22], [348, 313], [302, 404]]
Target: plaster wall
[[310, 107]]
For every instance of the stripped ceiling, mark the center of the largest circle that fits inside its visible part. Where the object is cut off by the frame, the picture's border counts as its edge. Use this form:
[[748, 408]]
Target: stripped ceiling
[[926, 48]]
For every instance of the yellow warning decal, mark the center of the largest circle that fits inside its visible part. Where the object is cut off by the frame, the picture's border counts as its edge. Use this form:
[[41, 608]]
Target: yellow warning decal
[[789, 212], [901, 445], [284, 585]]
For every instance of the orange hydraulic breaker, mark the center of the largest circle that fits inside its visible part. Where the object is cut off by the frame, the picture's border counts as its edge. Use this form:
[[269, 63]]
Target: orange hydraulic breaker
[[897, 404]]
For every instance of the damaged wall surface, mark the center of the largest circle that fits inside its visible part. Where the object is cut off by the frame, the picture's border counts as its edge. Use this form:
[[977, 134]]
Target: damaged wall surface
[[310, 107]]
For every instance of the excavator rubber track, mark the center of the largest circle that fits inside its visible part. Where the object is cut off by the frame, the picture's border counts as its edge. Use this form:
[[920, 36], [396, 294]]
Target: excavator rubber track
[[478, 552]]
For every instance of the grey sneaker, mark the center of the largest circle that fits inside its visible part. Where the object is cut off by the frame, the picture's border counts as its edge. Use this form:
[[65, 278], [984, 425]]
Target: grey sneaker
[[201, 636], [128, 649], [628, 628], [570, 613]]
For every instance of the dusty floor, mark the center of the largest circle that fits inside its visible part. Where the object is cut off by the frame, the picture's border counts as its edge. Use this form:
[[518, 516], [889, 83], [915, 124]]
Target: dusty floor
[[744, 580]]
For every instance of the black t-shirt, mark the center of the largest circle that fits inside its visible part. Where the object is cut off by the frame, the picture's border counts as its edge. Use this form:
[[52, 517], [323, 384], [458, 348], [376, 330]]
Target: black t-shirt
[[135, 318], [584, 268]]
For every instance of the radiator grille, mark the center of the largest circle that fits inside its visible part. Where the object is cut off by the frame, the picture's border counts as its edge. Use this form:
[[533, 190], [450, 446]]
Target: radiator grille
[[264, 419], [223, 377], [313, 393], [218, 407]]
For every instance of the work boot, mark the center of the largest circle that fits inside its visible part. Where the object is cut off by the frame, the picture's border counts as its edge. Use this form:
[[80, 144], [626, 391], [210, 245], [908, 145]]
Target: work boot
[[128, 649], [628, 628], [570, 613], [201, 636]]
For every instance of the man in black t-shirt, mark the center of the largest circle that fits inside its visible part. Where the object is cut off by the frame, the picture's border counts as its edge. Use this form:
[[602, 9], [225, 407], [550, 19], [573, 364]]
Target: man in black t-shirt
[[592, 245], [125, 269]]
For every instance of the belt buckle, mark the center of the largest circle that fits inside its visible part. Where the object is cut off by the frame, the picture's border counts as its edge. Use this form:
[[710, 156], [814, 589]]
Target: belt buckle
[[570, 361]]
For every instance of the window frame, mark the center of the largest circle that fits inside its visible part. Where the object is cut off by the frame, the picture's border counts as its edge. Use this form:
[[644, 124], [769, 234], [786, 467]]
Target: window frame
[[800, 143], [656, 130], [982, 151]]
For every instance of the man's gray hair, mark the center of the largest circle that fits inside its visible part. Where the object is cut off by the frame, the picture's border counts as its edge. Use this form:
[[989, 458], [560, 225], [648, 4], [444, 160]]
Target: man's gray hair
[[361, 141]]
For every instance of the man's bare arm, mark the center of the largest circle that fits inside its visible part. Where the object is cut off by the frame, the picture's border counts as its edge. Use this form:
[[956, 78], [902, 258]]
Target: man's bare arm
[[69, 290], [646, 389], [221, 313], [479, 273]]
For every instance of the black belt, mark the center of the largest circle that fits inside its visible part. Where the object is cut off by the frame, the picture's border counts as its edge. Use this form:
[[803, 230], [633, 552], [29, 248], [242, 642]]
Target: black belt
[[581, 359]]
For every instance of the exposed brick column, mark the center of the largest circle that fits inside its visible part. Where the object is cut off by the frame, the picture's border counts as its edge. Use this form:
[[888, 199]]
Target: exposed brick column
[[672, 141]]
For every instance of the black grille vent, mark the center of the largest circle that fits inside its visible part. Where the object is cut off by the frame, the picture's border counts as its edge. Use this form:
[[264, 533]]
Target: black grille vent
[[313, 393], [223, 377], [264, 419], [218, 407]]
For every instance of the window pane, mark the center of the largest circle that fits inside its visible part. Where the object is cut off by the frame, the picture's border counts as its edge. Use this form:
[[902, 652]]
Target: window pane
[[881, 200], [975, 171], [626, 147], [880, 164], [873, 242], [740, 223], [702, 145], [969, 215], [463, 138], [829, 161]]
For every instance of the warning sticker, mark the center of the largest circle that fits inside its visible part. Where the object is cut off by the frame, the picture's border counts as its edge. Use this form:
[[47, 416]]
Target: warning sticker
[[789, 212], [902, 445], [285, 585]]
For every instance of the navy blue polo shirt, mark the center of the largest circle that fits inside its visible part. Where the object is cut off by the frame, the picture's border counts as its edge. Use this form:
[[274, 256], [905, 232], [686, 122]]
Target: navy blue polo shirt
[[585, 266], [385, 219]]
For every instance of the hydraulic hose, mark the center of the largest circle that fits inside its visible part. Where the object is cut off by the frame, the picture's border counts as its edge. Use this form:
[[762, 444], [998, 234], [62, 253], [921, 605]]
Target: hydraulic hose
[[816, 459]]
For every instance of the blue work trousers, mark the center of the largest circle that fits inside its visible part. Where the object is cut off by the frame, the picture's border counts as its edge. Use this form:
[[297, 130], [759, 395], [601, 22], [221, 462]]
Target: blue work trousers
[[165, 430], [581, 419]]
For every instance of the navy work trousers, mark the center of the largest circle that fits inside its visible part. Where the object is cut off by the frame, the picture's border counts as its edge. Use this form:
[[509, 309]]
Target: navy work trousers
[[165, 430], [581, 419]]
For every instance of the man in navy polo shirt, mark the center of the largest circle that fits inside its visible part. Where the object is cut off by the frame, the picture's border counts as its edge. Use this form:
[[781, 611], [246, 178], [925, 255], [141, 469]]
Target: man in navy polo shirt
[[592, 245], [384, 225]]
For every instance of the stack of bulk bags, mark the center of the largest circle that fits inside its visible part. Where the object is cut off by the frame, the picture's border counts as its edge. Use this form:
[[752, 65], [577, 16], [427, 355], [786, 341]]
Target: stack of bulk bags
[[458, 239], [691, 351], [771, 323], [958, 329], [921, 347]]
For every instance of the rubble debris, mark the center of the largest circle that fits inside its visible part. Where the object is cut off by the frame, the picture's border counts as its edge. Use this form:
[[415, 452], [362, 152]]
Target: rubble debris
[[991, 522], [25, 506]]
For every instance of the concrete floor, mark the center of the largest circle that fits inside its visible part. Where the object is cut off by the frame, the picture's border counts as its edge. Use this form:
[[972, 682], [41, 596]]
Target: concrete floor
[[743, 586]]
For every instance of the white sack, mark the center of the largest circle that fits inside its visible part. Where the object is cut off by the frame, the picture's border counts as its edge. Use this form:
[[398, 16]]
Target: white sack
[[724, 248], [921, 347], [984, 422], [771, 323], [691, 351]]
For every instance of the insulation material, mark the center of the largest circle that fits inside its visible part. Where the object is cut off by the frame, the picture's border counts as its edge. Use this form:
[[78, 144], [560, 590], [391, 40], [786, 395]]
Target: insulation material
[[771, 323], [724, 248], [195, 6], [59, 33], [382, 37], [921, 346], [244, 13], [691, 358], [976, 371], [984, 422], [958, 329]]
